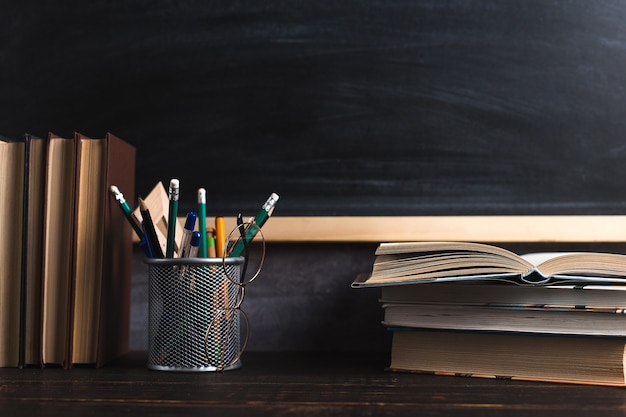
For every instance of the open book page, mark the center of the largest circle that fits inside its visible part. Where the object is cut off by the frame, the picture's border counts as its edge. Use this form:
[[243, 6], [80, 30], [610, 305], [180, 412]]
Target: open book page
[[442, 261], [581, 265], [540, 257], [416, 262], [421, 247]]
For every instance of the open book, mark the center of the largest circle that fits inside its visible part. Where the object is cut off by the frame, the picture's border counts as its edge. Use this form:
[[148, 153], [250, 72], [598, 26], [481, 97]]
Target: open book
[[416, 262]]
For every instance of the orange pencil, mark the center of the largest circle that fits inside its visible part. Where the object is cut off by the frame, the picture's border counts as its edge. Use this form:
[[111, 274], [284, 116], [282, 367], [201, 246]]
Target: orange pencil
[[220, 236]]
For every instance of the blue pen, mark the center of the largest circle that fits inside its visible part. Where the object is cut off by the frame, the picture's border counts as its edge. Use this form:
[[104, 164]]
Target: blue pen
[[190, 224], [194, 244]]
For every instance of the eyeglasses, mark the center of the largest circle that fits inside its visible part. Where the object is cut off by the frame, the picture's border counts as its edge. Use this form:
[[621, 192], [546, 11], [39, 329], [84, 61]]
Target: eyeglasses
[[227, 336]]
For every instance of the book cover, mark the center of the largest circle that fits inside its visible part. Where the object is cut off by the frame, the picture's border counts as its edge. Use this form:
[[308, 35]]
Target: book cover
[[114, 322], [11, 184]]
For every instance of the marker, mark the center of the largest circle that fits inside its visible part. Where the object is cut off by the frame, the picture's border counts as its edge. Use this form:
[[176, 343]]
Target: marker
[[121, 201], [202, 223], [171, 220], [185, 242], [220, 236], [259, 220]]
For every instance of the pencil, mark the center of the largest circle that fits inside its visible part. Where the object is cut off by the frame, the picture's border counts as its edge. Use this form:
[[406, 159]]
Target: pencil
[[220, 236], [171, 219], [151, 235]]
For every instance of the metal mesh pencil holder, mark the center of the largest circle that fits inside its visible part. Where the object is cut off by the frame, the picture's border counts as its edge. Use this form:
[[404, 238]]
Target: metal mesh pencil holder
[[192, 323]]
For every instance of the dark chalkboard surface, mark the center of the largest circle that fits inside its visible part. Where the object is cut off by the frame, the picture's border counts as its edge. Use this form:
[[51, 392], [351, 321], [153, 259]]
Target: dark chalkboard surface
[[359, 107]]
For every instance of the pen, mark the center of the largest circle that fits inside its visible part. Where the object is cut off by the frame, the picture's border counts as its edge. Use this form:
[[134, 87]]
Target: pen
[[171, 220], [190, 224], [121, 201], [259, 220], [193, 253], [202, 222], [194, 243], [220, 236]]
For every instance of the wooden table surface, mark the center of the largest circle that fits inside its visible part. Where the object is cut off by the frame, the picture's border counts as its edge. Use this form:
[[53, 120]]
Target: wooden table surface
[[289, 384]]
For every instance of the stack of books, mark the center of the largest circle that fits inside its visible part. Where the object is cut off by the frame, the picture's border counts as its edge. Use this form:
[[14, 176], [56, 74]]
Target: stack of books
[[65, 251], [470, 309]]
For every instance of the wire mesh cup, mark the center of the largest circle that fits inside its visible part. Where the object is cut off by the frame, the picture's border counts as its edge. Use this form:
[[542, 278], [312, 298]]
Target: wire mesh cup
[[194, 320]]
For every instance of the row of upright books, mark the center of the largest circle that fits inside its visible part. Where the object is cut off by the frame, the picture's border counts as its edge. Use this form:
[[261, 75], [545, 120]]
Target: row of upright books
[[469, 309], [65, 250]]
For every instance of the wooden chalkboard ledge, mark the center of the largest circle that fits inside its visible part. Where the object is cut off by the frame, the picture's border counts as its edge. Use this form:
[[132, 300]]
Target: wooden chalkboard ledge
[[574, 228]]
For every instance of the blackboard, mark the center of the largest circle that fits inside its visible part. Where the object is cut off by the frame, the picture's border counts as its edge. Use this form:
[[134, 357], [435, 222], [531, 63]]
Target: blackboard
[[358, 107]]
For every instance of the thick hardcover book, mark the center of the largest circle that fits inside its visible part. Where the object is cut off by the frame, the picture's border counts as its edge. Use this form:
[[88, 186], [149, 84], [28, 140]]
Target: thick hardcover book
[[487, 294], [114, 327], [420, 262], [58, 235], [571, 320], [88, 246], [11, 184], [32, 239], [103, 251], [554, 358]]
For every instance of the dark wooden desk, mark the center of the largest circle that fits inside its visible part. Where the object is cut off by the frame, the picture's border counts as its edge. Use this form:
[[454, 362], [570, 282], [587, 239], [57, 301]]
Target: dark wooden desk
[[293, 384]]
